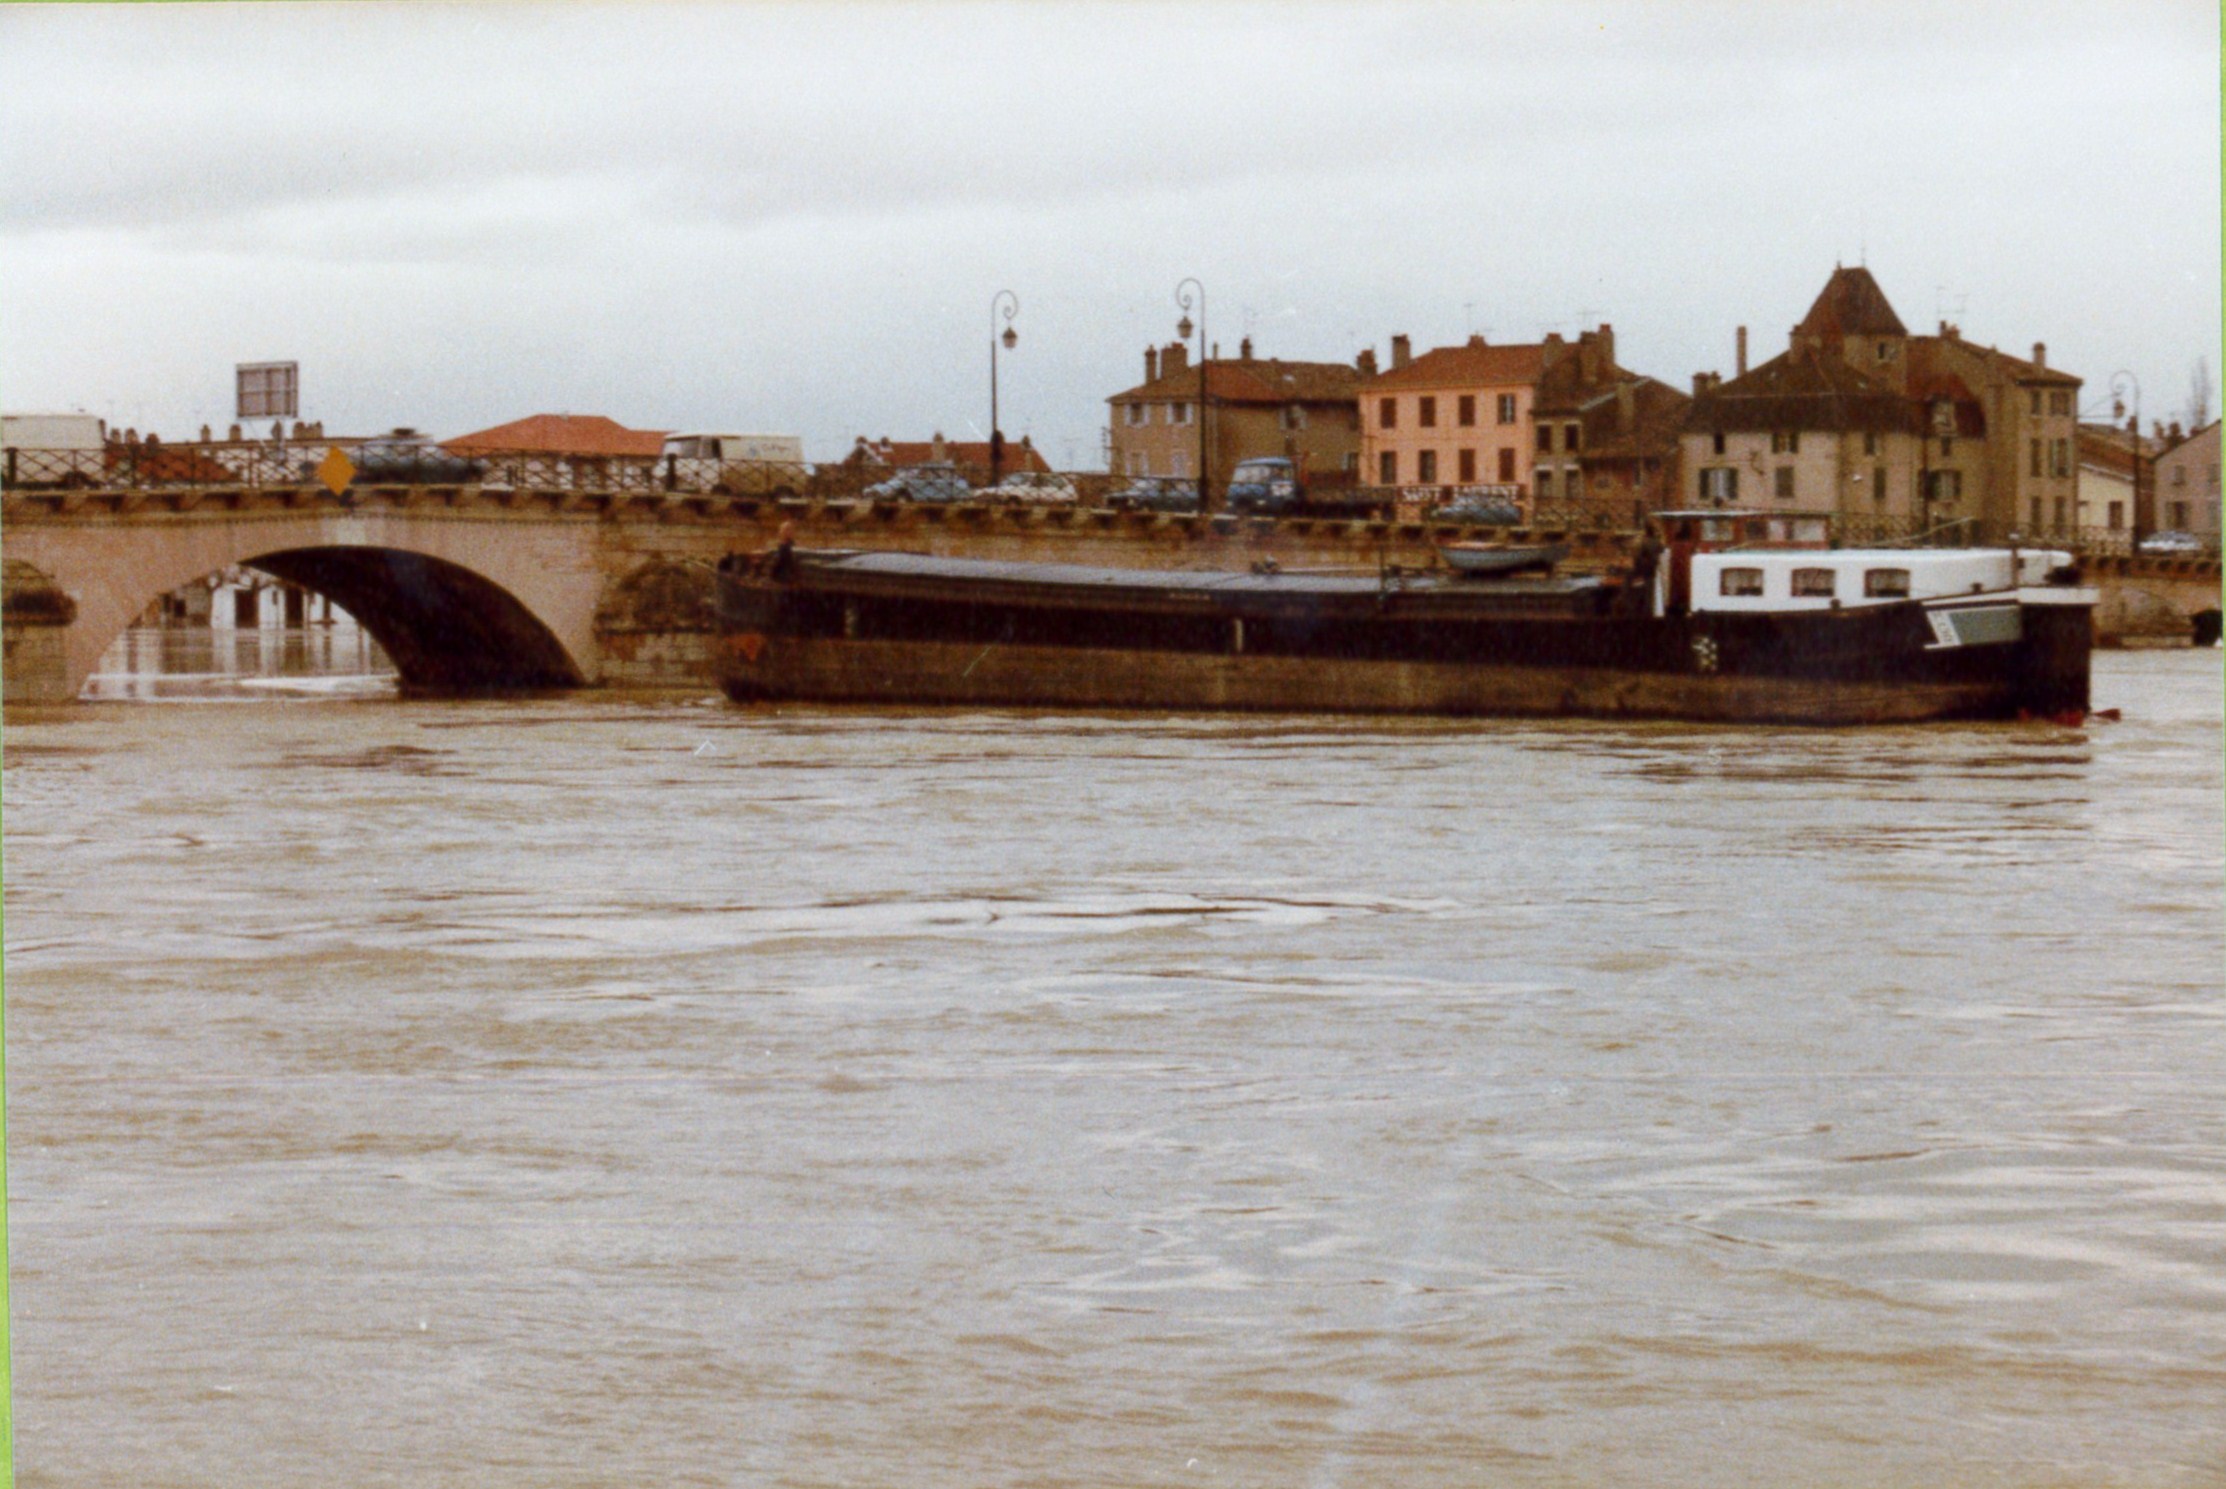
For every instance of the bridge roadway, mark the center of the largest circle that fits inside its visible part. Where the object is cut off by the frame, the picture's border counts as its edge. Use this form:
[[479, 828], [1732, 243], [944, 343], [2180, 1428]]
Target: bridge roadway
[[470, 588]]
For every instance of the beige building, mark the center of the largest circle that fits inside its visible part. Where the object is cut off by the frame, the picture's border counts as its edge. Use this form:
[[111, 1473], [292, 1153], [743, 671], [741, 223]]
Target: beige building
[[2185, 481], [1255, 406], [1887, 431]]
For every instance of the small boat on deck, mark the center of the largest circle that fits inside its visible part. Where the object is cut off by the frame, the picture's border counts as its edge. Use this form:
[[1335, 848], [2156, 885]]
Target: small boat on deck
[[1501, 558], [1706, 632]]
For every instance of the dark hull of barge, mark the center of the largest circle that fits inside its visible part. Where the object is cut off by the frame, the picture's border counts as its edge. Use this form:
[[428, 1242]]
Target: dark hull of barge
[[903, 629]]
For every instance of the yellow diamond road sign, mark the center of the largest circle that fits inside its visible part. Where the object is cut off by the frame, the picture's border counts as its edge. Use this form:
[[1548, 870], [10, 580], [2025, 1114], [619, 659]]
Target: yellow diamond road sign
[[336, 470]]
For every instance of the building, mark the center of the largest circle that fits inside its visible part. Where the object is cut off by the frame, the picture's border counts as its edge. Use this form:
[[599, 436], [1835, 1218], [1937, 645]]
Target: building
[[2185, 480], [1887, 431], [1628, 452], [872, 460], [584, 450], [1519, 417], [1256, 406]]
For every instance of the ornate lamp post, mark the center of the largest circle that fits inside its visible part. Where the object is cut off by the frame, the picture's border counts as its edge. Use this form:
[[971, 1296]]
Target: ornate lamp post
[[1010, 304], [1182, 329], [2122, 382]]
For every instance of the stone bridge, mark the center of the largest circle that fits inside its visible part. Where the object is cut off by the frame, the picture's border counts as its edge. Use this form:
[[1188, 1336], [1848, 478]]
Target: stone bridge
[[471, 589]]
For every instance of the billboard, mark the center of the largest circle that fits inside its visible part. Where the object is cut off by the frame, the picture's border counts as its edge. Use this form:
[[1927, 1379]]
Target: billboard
[[269, 390]]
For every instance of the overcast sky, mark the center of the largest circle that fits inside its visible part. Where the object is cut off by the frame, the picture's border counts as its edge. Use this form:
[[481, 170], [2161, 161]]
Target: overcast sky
[[791, 218]]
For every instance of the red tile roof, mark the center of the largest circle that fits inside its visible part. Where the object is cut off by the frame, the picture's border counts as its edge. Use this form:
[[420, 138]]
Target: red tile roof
[[1472, 365], [561, 434], [1852, 305], [1251, 380]]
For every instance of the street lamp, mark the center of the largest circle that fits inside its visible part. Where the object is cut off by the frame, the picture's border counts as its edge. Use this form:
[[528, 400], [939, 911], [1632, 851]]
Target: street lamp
[[1182, 329], [1010, 303], [2121, 382]]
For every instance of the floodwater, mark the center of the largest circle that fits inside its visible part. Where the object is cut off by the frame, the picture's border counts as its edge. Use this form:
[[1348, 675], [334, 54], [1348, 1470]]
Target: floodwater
[[583, 1091]]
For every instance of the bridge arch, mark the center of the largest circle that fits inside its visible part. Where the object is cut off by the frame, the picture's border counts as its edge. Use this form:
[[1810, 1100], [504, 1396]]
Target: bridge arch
[[463, 605]]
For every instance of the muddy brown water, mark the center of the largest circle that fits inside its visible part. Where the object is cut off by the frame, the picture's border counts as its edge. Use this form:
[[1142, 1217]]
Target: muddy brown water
[[584, 1091]]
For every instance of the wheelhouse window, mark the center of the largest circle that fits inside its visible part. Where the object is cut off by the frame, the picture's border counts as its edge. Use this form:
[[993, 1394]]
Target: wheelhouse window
[[1815, 584], [1886, 584], [1745, 583]]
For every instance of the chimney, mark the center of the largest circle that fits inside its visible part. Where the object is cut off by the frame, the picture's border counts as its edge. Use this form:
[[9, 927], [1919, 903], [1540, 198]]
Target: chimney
[[1588, 357], [1244, 350], [1174, 359], [1151, 364], [235, 435], [1741, 361], [2040, 354], [1606, 338], [1700, 383], [1949, 331], [204, 434], [937, 450], [1550, 352], [1626, 406], [1366, 362], [1402, 352]]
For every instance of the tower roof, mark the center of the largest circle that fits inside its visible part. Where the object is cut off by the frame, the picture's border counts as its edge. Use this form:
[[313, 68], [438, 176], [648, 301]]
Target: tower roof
[[1852, 305]]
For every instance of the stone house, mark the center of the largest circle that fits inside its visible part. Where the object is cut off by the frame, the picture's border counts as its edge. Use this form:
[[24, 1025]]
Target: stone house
[[1255, 407], [1887, 431], [2185, 481]]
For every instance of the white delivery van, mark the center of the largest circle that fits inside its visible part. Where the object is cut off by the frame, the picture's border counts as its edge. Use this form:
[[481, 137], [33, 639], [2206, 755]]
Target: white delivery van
[[735, 464], [53, 449]]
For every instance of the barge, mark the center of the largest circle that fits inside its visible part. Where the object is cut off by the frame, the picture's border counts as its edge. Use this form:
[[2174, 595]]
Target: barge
[[1731, 634]]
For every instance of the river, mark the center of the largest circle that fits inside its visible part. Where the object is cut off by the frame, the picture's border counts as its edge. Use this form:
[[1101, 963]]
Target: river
[[584, 1090]]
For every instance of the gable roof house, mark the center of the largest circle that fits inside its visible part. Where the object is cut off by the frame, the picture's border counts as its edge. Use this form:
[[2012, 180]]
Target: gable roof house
[[1255, 407], [1890, 432]]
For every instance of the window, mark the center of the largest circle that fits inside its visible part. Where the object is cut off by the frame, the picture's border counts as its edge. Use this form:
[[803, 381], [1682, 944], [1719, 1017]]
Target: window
[[1746, 583], [1426, 463], [1719, 442], [2179, 475], [2059, 514], [1878, 484], [1572, 437], [1545, 436], [2059, 403], [1944, 486], [1572, 483], [1468, 465], [1786, 442], [2034, 525], [1886, 584], [1465, 410], [1947, 445], [1870, 442], [1507, 408], [1387, 413], [1885, 351], [1136, 413], [2036, 408], [2117, 516], [1815, 584], [1719, 483], [1387, 467], [2179, 514], [1179, 463], [1783, 482], [1136, 462], [1506, 465], [1545, 483], [1178, 413], [2059, 457], [2036, 453], [1427, 415], [1294, 416]]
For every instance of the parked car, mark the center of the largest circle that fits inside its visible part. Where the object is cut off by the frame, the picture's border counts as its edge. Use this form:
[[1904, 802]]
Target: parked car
[[936, 481], [1155, 494], [406, 458], [1267, 486], [2171, 542], [1476, 509], [1037, 488]]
